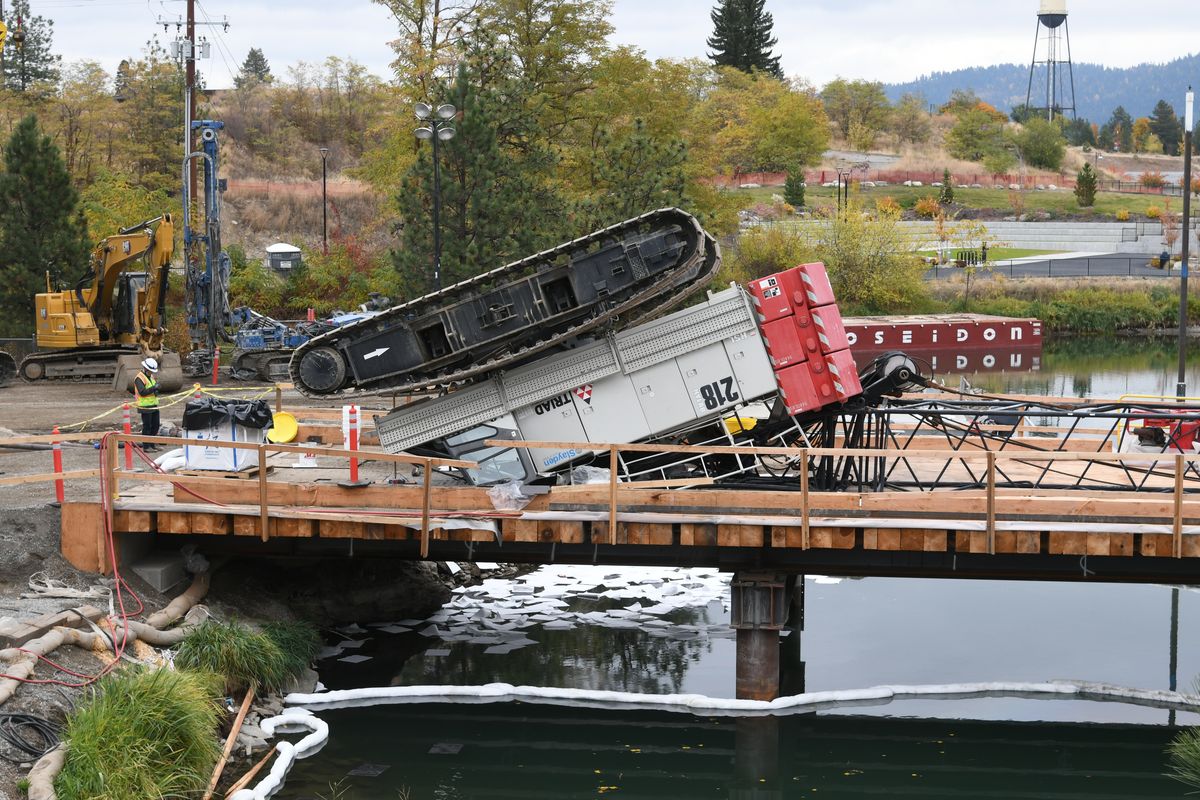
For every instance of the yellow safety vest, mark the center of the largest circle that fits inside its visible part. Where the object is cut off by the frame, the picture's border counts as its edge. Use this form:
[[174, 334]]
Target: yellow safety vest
[[147, 383]]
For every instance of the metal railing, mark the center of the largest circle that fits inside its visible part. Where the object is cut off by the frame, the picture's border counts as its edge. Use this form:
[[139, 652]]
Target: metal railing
[[1134, 266]]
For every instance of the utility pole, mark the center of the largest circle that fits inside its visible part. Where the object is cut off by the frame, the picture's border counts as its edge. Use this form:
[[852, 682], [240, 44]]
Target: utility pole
[[189, 104]]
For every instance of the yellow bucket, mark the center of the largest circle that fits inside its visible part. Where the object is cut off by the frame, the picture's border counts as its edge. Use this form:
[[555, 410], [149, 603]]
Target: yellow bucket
[[283, 428]]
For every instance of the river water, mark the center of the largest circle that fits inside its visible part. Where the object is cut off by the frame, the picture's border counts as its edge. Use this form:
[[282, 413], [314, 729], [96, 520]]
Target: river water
[[666, 632]]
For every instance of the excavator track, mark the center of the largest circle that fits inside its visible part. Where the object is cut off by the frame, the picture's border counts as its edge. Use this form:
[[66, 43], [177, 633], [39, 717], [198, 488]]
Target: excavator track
[[83, 365], [617, 276]]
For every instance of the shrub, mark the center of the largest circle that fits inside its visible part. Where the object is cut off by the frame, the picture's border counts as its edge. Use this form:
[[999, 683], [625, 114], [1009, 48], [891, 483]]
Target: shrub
[[793, 189], [1154, 212], [1153, 180], [763, 250], [1195, 185], [927, 207], [244, 657], [1122, 215], [887, 205], [142, 734], [946, 195], [1085, 187]]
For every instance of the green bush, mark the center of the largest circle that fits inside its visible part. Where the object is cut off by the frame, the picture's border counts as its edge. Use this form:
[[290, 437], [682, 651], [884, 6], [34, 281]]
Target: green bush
[[243, 656], [764, 250], [142, 734]]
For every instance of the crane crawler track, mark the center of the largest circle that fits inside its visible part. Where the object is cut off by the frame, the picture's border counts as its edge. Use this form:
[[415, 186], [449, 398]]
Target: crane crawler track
[[617, 276]]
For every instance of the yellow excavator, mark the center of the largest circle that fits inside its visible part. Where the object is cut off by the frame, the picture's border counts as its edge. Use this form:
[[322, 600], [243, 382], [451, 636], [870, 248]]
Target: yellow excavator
[[113, 318]]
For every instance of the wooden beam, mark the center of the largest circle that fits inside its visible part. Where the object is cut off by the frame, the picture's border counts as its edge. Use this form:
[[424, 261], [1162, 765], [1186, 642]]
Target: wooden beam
[[613, 463], [804, 500], [991, 502], [46, 477], [1178, 526], [264, 521]]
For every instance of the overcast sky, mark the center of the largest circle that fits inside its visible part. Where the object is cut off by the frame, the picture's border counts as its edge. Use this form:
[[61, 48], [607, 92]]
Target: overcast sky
[[884, 40]]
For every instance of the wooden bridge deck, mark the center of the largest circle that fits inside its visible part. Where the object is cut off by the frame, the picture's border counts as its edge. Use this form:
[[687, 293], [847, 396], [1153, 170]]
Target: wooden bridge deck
[[1148, 535]]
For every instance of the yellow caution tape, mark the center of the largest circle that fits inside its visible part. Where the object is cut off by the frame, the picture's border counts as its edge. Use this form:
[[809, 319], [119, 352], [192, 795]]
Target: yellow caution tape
[[171, 400]]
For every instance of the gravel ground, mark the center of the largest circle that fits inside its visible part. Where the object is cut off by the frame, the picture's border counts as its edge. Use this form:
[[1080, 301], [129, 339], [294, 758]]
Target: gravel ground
[[321, 592]]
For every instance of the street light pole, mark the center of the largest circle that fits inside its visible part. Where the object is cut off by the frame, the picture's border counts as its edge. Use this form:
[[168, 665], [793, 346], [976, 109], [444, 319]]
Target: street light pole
[[324, 205], [437, 128], [1181, 386]]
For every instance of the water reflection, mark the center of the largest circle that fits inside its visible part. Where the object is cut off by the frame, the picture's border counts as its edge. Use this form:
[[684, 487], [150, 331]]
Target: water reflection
[[584, 657], [1094, 367], [515, 750]]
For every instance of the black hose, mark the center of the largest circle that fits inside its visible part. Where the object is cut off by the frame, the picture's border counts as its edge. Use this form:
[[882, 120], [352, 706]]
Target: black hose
[[33, 736]]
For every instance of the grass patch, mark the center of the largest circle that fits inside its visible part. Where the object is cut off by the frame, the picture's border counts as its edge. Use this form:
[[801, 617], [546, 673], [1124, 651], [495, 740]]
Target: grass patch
[[142, 734], [243, 656], [1093, 305]]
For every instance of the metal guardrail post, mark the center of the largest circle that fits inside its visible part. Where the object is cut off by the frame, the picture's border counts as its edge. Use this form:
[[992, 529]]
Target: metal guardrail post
[[427, 474]]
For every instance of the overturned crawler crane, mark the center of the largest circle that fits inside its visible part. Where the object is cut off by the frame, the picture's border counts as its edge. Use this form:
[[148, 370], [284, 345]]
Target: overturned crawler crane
[[612, 278]]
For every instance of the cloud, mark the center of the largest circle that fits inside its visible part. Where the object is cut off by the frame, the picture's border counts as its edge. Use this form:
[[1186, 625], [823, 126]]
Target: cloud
[[819, 40]]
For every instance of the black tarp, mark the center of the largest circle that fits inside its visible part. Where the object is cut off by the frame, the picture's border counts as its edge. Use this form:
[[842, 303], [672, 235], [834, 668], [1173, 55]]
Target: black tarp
[[211, 411]]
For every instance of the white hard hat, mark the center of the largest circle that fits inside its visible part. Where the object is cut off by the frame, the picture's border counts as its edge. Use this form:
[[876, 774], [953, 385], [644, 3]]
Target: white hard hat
[[150, 364]]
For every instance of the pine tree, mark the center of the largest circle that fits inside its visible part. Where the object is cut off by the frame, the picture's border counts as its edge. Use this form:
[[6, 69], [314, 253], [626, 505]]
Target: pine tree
[[121, 81], [633, 174], [254, 70], [793, 187], [742, 37], [41, 227], [1085, 186], [1167, 127], [497, 200], [29, 62], [946, 195]]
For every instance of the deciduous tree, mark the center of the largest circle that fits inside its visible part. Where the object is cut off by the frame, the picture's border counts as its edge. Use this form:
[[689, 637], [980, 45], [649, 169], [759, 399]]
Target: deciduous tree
[[862, 102], [976, 134], [910, 119], [1042, 144]]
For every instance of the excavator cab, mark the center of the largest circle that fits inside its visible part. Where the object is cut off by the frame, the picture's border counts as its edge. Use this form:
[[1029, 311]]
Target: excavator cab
[[130, 287]]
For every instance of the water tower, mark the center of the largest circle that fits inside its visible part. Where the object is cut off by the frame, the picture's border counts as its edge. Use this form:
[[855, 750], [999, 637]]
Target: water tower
[[1053, 93]]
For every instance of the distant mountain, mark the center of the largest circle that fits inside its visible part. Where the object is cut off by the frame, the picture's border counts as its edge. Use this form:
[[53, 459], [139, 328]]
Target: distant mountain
[[1098, 89]]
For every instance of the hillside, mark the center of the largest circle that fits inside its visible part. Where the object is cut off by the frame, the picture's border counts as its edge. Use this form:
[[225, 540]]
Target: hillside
[[1098, 89]]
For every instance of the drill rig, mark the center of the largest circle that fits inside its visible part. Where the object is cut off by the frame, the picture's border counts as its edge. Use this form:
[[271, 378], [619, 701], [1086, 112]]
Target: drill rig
[[113, 317]]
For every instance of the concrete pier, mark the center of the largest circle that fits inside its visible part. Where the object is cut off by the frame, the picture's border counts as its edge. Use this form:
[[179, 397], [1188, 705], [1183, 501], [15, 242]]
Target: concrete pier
[[758, 608]]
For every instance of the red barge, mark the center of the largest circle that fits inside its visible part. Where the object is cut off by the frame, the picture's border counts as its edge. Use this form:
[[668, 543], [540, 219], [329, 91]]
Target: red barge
[[951, 342]]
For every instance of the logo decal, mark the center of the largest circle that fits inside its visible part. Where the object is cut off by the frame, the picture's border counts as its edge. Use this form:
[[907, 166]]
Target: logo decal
[[584, 393]]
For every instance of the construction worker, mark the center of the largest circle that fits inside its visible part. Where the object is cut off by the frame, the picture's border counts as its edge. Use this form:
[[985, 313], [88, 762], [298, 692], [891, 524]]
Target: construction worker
[[145, 392]]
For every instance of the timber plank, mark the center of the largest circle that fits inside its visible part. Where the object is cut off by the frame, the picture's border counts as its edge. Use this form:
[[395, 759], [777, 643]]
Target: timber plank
[[888, 538], [1006, 541], [1029, 542], [1120, 544], [82, 542], [174, 522], [210, 524], [912, 540], [133, 521]]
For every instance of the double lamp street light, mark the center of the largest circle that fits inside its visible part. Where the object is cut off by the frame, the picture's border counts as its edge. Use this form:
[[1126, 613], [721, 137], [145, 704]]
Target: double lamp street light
[[437, 128]]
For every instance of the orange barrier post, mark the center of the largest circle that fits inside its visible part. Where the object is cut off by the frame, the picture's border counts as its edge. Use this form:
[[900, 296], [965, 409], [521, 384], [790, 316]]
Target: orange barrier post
[[216, 365], [353, 443], [127, 427], [59, 491]]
